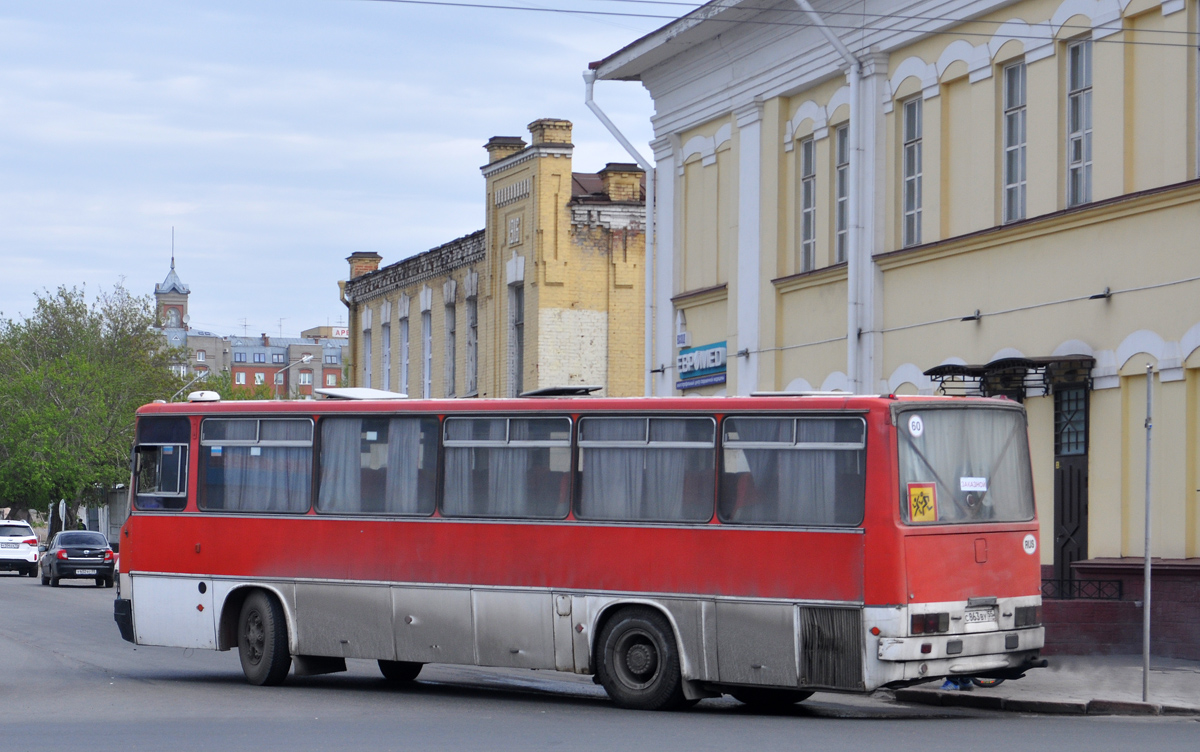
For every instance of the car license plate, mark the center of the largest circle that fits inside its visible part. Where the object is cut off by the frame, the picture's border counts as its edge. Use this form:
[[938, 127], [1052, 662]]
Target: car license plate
[[980, 616], [10, 545], [85, 571]]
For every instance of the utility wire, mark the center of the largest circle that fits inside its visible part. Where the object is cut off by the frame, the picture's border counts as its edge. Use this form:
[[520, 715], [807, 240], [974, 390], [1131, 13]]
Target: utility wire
[[796, 24]]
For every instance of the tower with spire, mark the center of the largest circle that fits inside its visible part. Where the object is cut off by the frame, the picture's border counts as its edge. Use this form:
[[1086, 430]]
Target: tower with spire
[[171, 299]]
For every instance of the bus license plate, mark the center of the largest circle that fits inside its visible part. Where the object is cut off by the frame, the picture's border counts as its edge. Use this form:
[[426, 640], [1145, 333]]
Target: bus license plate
[[85, 571], [980, 616]]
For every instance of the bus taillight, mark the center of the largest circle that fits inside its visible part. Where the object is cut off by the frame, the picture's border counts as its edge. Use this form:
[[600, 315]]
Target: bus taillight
[[930, 623]]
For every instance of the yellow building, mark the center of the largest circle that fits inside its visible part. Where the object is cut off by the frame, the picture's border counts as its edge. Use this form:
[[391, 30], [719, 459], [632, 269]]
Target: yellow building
[[1005, 205], [550, 293]]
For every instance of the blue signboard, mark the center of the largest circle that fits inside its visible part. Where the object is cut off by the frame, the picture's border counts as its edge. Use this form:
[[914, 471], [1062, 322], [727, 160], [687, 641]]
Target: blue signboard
[[703, 365]]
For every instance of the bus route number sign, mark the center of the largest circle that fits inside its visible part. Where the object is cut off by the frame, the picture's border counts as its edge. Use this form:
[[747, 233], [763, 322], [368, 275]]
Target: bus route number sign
[[922, 502]]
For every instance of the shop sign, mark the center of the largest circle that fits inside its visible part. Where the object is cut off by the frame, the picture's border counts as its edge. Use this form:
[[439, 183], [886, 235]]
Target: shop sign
[[703, 365]]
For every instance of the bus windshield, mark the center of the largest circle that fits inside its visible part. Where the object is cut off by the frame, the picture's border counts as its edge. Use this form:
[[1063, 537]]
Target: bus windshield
[[964, 464]]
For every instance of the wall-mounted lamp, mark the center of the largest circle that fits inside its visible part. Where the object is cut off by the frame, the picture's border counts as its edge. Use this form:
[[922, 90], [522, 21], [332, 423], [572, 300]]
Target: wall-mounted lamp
[[973, 317], [744, 352], [660, 369]]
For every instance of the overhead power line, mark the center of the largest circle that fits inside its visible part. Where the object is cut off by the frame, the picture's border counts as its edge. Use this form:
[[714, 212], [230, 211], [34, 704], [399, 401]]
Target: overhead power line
[[797, 24]]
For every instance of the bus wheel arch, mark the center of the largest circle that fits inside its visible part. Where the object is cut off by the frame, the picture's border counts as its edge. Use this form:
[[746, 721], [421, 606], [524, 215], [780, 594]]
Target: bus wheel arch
[[231, 609], [637, 656]]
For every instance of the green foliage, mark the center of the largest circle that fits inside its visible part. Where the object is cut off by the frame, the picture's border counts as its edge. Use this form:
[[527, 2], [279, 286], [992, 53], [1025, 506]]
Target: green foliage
[[72, 376]]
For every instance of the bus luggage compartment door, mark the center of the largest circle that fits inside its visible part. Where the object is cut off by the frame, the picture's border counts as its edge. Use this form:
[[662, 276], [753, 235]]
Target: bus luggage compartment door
[[756, 643], [174, 612], [514, 629]]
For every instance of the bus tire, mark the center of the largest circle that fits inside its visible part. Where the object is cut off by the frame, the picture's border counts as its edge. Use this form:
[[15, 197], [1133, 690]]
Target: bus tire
[[639, 661], [262, 640], [769, 699], [399, 671]]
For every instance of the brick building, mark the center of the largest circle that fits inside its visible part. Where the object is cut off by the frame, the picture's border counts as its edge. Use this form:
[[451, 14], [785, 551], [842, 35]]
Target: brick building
[[549, 293]]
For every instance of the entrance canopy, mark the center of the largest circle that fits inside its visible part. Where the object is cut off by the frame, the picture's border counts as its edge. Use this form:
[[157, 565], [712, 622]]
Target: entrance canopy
[[1014, 378]]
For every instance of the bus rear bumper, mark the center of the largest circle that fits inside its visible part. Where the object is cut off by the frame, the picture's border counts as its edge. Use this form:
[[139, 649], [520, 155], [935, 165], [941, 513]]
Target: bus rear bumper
[[965, 649]]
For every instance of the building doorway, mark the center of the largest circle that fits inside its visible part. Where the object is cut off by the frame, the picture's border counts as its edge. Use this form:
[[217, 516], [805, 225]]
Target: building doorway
[[1070, 478]]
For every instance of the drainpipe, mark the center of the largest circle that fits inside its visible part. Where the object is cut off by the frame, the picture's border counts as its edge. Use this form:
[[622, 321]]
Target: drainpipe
[[855, 272], [589, 80]]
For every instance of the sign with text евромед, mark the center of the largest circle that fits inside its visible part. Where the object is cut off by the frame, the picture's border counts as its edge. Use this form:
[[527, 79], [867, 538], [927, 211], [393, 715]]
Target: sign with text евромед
[[703, 365]]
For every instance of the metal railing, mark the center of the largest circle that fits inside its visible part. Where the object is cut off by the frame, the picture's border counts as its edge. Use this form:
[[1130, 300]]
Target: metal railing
[[1098, 590]]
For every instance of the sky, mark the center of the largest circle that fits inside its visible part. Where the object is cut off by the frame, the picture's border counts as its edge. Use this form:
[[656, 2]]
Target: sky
[[276, 137]]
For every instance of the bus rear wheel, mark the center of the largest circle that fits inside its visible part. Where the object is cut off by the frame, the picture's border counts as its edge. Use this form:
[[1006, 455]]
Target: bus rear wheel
[[262, 640], [639, 661], [399, 671], [769, 699]]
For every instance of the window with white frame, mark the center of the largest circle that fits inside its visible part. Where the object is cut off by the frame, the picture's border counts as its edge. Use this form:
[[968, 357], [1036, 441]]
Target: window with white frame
[[842, 209], [912, 171], [404, 355], [1014, 142], [239, 377], [331, 379], [306, 378], [472, 345], [331, 360], [279, 377], [260, 378], [808, 204], [516, 339], [200, 355], [1079, 122], [426, 355], [385, 335], [451, 350]]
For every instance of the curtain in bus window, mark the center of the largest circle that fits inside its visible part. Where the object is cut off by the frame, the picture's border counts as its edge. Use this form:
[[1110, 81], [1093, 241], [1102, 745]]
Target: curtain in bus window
[[977, 459], [404, 460], [341, 486], [266, 478], [757, 496], [508, 475], [808, 477], [678, 476], [612, 477], [467, 467]]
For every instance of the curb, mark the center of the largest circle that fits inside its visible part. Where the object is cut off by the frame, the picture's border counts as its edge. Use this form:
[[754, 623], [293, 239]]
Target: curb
[[1048, 707]]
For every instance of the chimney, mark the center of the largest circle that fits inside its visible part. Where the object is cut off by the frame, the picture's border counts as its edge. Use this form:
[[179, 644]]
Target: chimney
[[499, 147], [266, 340], [622, 181], [550, 131], [363, 262]]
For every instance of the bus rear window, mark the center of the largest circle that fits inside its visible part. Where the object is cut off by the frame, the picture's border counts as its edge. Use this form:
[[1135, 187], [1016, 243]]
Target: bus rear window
[[963, 465], [251, 465]]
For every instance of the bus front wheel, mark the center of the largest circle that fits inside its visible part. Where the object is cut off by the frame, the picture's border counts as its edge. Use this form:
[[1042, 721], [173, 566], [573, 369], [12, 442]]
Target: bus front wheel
[[262, 640], [639, 661]]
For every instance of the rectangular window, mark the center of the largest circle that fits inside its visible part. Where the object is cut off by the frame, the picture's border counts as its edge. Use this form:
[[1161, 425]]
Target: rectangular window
[[331, 379], [404, 355], [200, 355], [378, 465], [260, 357], [239, 357], [808, 205], [260, 378], [842, 138], [306, 378], [964, 465], [252, 465], [239, 377], [331, 360], [279, 377], [160, 477], [426, 355], [912, 171], [794, 471], [1014, 142], [516, 340], [277, 358], [366, 340], [451, 351], [1079, 122], [385, 336], [507, 467], [472, 345], [652, 469]]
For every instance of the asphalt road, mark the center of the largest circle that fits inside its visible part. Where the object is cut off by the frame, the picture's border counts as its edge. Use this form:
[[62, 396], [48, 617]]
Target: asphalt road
[[68, 682]]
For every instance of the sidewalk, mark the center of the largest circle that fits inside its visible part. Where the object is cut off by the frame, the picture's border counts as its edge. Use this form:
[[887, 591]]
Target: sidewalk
[[1078, 685]]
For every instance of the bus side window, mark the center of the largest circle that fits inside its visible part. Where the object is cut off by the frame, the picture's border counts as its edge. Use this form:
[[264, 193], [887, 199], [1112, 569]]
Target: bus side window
[[507, 467], [161, 477]]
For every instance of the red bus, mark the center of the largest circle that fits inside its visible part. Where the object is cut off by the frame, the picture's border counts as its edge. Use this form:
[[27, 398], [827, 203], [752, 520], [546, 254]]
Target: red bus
[[764, 547]]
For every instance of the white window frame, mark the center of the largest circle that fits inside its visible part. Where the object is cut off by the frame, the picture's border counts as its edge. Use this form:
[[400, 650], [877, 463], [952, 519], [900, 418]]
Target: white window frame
[[841, 156], [1014, 173], [426, 355], [450, 324], [240, 378], [306, 378], [472, 355], [1079, 122], [331, 379], [260, 378], [200, 356], [912, 114], [807, 169], [404, 355], [385, 334]]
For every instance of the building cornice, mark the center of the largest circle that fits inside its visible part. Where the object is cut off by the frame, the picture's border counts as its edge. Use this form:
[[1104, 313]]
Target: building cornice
[[816, 278], [526, 154], [456, 254], [702, 296]]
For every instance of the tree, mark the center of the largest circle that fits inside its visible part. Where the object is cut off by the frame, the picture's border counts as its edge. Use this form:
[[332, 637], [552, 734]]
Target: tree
[[72, 376]]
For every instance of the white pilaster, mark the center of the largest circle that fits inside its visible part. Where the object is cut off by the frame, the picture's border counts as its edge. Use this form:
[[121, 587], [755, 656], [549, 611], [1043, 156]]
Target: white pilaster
[[867, 278], [749, 122], [664, 271]]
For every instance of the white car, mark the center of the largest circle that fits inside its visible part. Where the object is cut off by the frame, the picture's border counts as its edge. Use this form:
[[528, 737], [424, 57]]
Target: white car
[[18, 548]]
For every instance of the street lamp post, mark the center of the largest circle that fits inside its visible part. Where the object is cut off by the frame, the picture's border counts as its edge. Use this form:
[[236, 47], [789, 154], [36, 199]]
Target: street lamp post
[[303, 359]]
